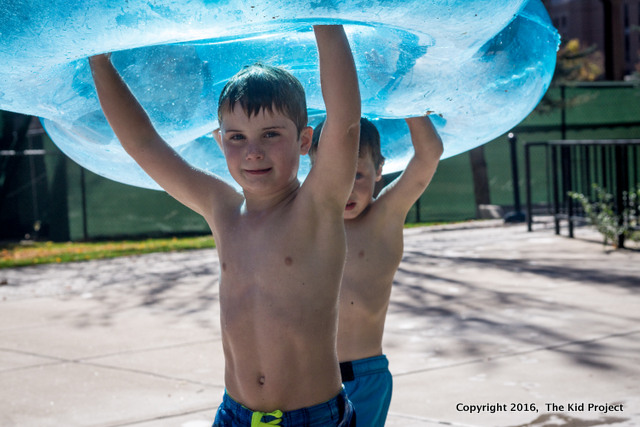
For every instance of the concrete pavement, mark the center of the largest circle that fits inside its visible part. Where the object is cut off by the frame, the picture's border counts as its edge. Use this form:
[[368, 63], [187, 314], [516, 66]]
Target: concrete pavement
[[489, 325]]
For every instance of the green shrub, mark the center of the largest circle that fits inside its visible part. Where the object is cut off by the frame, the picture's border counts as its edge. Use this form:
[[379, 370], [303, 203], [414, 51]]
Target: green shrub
[[602, 215]]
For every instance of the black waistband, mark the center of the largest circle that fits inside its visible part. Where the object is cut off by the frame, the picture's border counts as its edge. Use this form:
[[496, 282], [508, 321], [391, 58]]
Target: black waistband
[[354, 369], [346, 371]]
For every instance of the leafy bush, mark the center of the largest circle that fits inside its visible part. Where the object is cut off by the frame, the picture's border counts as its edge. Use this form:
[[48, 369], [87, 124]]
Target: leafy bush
[[602, 215]]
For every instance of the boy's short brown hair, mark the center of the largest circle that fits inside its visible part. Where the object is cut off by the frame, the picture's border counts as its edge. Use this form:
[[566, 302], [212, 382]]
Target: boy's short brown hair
[[264, 87], [369, 142]]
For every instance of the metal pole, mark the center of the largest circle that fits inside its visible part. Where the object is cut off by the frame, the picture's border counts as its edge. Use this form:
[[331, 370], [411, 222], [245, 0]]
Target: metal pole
[[517, 215], [527, 180], [622, 181], [568, 188], [85, 234], [563, 112], [556, 197]]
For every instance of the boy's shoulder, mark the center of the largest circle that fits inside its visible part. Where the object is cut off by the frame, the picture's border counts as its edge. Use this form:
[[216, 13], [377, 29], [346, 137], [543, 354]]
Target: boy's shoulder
[[379, 215]]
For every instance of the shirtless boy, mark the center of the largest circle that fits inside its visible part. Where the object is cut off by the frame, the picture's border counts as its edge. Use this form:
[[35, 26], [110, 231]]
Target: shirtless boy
[[281, 244], [375, 244]]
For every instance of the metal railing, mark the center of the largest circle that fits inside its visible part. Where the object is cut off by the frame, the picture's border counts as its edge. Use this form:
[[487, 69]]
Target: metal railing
[[575, 166]]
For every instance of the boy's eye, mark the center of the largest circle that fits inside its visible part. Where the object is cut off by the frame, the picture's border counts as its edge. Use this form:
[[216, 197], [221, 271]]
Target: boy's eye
[[236, 137], [271, 134], [359, 175]]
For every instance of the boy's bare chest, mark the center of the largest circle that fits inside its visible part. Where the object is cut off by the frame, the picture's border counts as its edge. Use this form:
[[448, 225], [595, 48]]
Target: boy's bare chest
[[267, 265], [277, 247], [260, 243], [372, 251]]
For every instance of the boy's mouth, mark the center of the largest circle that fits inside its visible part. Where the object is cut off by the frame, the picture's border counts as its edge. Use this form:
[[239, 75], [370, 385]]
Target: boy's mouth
[[258, 171], [350, 206]]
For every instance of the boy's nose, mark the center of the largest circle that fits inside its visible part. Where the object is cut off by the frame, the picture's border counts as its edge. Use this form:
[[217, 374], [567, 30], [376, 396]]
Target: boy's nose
[[254, 152]]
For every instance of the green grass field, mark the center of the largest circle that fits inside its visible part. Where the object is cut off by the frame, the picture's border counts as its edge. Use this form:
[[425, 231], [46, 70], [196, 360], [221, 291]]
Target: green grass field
[[33, 253]]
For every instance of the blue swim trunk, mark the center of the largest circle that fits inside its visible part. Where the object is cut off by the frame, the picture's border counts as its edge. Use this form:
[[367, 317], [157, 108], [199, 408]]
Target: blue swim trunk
[[368, 384], [336, 412]]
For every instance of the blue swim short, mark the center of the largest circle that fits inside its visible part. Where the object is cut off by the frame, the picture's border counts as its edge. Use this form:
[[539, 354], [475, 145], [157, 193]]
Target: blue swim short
[[368, 384], [336, 412]]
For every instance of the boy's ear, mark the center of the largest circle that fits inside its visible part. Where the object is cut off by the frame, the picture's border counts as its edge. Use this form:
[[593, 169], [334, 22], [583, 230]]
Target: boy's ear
[[379, 172], [306, 134], [217, 137]]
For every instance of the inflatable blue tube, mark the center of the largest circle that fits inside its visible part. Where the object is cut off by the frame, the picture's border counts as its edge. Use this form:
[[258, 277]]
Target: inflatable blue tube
[[480, 65]]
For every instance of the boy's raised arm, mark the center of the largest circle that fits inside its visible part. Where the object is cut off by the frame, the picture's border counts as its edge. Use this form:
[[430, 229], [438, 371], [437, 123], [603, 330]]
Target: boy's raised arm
[[141, 141], [336, 158], [427, 145]]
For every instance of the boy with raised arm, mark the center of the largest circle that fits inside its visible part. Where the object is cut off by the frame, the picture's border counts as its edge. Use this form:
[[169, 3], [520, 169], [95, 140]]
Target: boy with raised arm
[[281, 244], [374, 250]]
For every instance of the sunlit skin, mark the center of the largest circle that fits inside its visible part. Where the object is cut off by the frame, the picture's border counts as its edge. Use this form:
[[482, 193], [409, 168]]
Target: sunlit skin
[[374, 230], [276, 294], [281, 245]]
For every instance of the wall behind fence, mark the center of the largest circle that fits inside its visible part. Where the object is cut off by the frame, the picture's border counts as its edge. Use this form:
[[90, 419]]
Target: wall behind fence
[[596, 111], [115, 210], [48, 196]]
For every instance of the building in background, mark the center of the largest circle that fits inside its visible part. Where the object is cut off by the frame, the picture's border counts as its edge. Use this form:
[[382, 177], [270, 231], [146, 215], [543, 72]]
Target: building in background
[[611, 25]]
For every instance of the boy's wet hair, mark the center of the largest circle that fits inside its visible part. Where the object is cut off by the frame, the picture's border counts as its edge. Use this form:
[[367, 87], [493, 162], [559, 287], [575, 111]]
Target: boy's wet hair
[[369, 142], [260, 86]]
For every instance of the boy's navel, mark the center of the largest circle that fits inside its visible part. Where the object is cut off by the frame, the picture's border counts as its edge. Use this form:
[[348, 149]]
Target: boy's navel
[[261, 380], [361, 254], [224, 266], [288, 260]]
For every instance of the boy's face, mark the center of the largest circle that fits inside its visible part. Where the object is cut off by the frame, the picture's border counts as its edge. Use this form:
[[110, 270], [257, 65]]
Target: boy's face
[[262, 151], [363, 187]]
